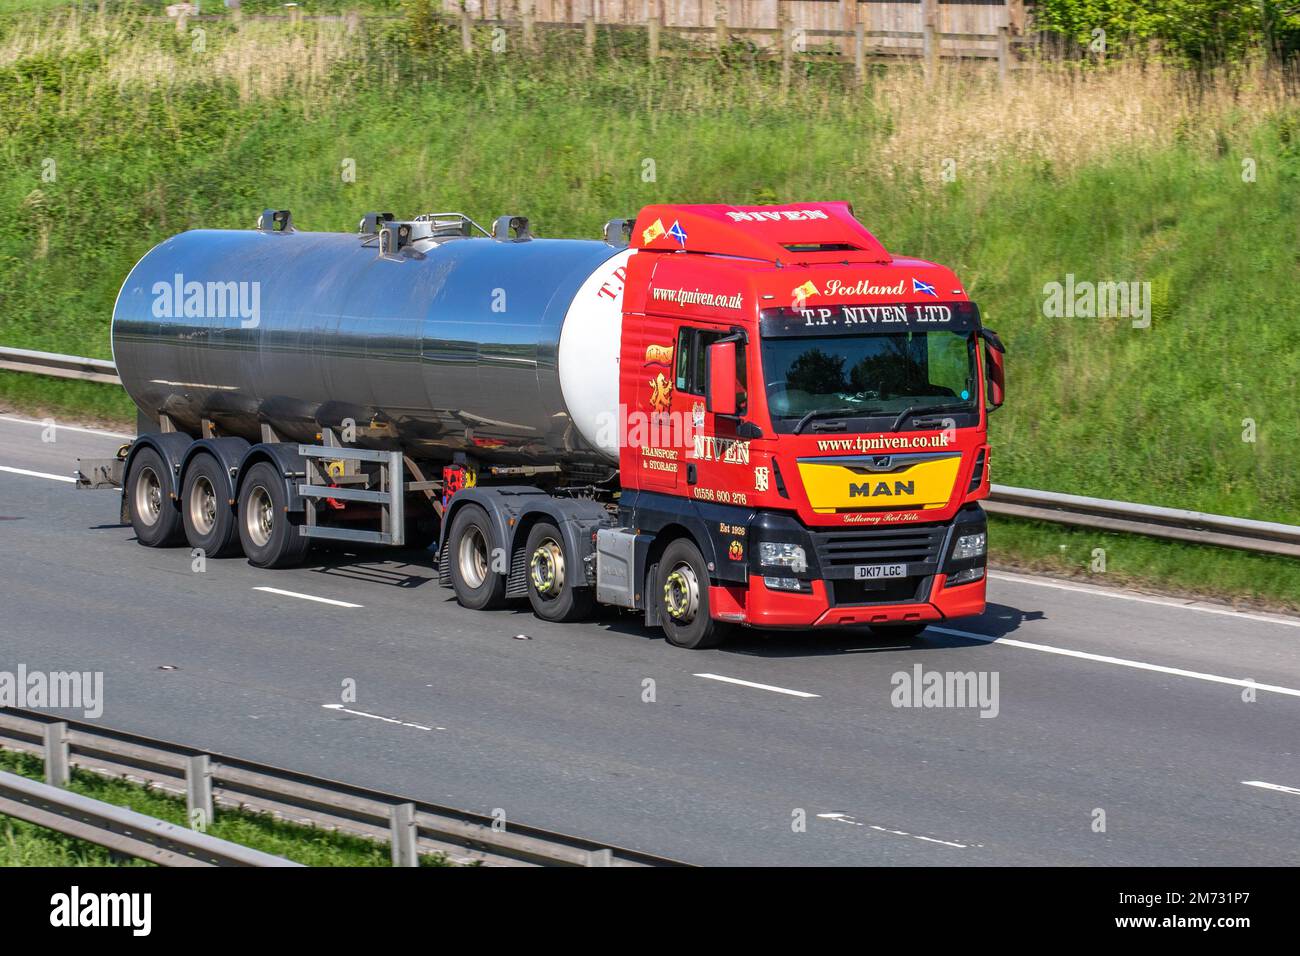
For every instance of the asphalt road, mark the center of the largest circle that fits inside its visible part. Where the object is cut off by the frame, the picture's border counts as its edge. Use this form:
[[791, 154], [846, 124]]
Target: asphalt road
[[1106, 701]]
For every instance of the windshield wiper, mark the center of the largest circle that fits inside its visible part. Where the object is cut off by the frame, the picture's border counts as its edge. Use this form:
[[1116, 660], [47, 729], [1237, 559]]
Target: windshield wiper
[[925, 410], [827, 413]]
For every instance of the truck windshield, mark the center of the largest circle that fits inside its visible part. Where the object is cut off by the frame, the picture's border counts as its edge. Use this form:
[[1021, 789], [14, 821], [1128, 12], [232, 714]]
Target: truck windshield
[[837, 378]]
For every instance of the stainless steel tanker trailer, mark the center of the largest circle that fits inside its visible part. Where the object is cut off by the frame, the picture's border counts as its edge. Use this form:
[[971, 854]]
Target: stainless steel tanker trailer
[[430, 382]]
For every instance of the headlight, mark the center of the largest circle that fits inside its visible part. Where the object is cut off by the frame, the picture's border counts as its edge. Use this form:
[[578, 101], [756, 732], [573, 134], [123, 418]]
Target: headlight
[[966, 577], [783, 584], [970, 546], [782, 554]]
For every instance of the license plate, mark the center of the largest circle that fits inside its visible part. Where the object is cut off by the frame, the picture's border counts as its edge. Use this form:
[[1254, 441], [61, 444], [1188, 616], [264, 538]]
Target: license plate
[[874, 572]]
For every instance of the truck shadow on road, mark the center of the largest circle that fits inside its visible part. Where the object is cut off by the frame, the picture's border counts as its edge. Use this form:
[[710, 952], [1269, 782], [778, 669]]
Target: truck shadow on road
[[997, 621], [405, 568]]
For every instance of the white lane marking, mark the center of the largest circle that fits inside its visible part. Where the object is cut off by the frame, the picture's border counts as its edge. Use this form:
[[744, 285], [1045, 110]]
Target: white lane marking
[[35, 474], [749, 683], [1145, 598], [1271, 786], [66, 428], [845, 818], [308, 597], [387, 720], [1122, 662]]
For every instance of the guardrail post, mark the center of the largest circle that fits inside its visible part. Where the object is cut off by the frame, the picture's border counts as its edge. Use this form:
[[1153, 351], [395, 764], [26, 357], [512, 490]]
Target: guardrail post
[[600, 857], [466, 29], [57, 771], [403, 835], [589, 30], [1004, 52], [720, 28], [198, 793]]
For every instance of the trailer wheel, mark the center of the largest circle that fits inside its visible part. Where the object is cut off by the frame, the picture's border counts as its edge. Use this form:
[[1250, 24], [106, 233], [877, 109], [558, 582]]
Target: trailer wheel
[[157, 522], [469, 549], [551, 577], [268, 531], [684, 598], [206, 513]]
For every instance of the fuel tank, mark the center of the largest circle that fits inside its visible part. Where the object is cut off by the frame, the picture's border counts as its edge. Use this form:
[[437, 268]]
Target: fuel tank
[[507, 350]]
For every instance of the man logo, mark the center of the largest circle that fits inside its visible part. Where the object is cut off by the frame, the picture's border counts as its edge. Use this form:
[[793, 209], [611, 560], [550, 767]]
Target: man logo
[[865, 490]]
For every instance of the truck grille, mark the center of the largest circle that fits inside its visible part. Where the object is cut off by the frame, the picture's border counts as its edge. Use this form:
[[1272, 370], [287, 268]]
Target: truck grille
[[845, 549]]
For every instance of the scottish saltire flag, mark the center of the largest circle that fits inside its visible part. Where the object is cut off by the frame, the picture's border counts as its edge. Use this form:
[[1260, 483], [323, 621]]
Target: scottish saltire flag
[[678, 233], [924, 288]]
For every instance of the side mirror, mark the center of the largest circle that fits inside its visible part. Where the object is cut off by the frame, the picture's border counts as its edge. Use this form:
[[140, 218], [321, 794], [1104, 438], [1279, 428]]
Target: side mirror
[[720, 378], [995, 370]]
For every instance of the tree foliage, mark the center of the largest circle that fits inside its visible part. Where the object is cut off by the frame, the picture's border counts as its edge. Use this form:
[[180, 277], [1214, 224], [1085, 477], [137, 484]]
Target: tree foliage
[[1198, 31]]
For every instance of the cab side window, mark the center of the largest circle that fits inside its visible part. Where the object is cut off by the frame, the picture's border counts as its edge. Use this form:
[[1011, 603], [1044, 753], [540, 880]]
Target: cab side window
[[692, 347]]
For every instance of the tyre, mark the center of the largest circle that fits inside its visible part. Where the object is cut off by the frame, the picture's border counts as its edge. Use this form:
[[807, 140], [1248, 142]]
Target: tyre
[[268, 531], [683, 583], [154, 516], [206, 513], [898, 632], [551, 577], [469, 549]]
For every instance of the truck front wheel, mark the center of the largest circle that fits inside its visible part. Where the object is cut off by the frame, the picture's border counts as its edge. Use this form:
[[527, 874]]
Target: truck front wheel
[[684, 598], [267, 529], [469, 549], [552, 575], [157, 522]]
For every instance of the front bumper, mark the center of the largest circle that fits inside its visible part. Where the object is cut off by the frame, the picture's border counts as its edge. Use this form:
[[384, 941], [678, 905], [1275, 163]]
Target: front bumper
[[759, 606], [830, 595]]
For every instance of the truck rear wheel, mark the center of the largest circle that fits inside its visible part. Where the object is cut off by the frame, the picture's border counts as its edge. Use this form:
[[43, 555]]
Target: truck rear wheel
[[206, 513], [156, 520], [684, 598], [268, 531], [469, 549], [551, 577]]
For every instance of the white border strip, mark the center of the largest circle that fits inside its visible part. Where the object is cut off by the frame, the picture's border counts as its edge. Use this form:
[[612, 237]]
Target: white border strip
[[1186, 605], [1122, 662]]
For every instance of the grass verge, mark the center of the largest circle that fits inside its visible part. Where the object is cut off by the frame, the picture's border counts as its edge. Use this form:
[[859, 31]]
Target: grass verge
[[1111, 559], [25, 844]]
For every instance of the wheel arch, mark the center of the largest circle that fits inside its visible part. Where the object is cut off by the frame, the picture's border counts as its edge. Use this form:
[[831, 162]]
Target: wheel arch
[[229, 453], [284, 456], [171, 448]]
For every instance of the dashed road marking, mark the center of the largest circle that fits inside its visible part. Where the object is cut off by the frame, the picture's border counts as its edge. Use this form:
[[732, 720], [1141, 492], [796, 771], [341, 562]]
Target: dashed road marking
[[1294, 791], [749, 683], [36, 474], [845, 818], [388, 720], [309, 597]]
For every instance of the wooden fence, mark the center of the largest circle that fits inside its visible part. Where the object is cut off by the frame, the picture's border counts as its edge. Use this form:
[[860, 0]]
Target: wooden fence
[[785, 29], [856, 31]]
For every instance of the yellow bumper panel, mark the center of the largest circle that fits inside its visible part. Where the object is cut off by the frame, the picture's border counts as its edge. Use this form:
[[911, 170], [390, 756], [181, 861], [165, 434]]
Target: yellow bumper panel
[[846, 487]]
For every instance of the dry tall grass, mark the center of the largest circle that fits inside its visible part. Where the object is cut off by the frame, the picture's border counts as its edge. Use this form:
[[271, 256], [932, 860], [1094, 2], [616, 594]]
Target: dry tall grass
[[1056, 113]]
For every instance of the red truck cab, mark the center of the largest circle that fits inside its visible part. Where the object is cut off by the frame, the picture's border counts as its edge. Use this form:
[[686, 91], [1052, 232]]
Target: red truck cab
[[810, 413]]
